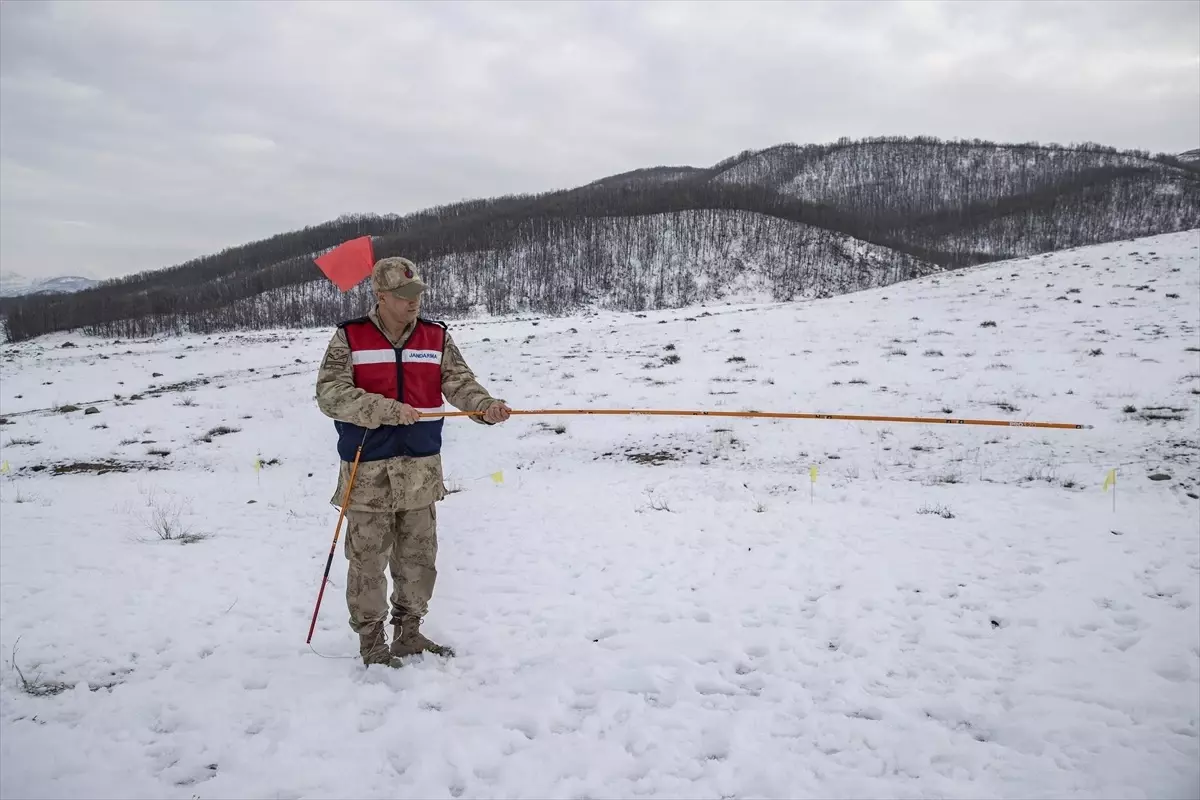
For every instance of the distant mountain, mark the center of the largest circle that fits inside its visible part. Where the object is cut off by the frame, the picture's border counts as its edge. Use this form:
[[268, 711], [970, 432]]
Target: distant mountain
[[782, 223], [1190, 156], [14, 284]]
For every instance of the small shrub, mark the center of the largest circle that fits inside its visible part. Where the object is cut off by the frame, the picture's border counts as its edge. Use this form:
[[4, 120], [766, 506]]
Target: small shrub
[[187, 401], [158, 452], [1163, 413], [1130, 409], [988, 324], [897, 351], [669, 347], [857, 382], [938, 510], [67, 409], [37, 687], [23, 442], [934, 353], [671, 359], [220, 430], [735, 360]]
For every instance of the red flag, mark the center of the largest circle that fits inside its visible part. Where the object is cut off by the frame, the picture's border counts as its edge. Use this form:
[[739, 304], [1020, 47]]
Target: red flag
[[348, 263]]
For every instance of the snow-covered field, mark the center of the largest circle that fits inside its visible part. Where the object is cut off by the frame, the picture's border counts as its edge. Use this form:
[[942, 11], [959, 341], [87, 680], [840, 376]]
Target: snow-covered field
[[643, 606]]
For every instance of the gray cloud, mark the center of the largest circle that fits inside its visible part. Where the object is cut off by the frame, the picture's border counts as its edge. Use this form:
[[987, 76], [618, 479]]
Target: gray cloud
[[137, 135]]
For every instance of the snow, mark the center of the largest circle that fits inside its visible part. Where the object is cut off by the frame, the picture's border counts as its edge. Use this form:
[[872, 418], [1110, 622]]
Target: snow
[[644, 606]]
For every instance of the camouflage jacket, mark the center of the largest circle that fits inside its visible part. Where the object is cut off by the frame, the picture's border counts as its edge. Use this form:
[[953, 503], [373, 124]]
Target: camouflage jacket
[[394, 484]]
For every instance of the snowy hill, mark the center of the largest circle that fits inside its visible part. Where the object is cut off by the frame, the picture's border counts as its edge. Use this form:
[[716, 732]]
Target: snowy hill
[[688, 260], [642, 606], [982, 198], [931, 173], [633, 240], [13, 284]]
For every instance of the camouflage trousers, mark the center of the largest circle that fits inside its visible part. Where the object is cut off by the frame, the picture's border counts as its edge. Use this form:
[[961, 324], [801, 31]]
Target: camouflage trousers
[[402, 543]]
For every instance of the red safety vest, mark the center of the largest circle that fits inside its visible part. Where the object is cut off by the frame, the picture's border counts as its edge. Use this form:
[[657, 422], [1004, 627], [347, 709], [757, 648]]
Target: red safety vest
[[411, 374]]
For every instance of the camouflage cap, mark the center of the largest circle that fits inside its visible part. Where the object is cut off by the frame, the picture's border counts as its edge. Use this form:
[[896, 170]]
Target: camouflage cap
[[398, 276]]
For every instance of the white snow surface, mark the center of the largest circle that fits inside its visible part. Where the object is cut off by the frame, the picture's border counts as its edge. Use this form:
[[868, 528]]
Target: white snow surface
[[704, 623]]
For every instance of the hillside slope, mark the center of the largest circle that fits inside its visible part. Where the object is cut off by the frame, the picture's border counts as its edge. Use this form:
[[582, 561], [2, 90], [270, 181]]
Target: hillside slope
[[15, 285], [983, 201], [946, 204], [649, 606], [684, 259]]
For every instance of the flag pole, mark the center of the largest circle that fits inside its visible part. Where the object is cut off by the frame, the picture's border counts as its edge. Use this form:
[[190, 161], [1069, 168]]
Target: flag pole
[[336, 532]]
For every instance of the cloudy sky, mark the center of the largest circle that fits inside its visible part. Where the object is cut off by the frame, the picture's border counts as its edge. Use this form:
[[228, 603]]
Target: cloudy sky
[[138, 135]]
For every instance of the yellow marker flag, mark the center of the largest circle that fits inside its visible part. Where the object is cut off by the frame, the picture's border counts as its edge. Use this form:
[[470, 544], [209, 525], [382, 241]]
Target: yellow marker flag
[[257, 464], [1110, 479], [498, 477], [812, 473], [4, 467]]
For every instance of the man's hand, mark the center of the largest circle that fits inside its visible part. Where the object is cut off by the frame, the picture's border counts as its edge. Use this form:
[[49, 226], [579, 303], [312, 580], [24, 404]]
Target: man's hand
[[406, 414], [497, 412]]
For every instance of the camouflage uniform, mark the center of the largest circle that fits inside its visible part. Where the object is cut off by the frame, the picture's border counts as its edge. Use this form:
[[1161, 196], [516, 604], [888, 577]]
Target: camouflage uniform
[[391, 516]]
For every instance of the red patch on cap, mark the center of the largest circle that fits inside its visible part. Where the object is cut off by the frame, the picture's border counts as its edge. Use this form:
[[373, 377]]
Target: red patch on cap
[[407, 272]]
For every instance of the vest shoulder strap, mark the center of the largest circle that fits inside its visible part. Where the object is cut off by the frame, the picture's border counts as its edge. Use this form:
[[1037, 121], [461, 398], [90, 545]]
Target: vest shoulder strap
[[437, 322], [355, 321]]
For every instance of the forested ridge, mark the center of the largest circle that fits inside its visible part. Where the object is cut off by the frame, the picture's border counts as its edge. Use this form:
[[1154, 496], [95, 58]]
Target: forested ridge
[[788, 221]]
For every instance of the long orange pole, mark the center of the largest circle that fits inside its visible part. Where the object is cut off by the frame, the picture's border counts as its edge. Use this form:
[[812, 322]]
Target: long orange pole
[[336, 532], [775, 415]]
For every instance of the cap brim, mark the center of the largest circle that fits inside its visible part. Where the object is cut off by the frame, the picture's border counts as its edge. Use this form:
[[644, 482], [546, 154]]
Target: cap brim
[[410, 291]]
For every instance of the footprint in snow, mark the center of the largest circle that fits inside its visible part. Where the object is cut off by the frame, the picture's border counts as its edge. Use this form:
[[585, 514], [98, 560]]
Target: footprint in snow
[[370, 720], [604, 634]]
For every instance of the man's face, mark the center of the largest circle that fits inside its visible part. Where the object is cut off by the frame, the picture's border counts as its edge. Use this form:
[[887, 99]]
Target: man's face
[[397, 308]]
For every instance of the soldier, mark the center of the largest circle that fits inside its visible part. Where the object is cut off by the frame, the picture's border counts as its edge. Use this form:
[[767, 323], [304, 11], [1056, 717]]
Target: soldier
[[379, 373]]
